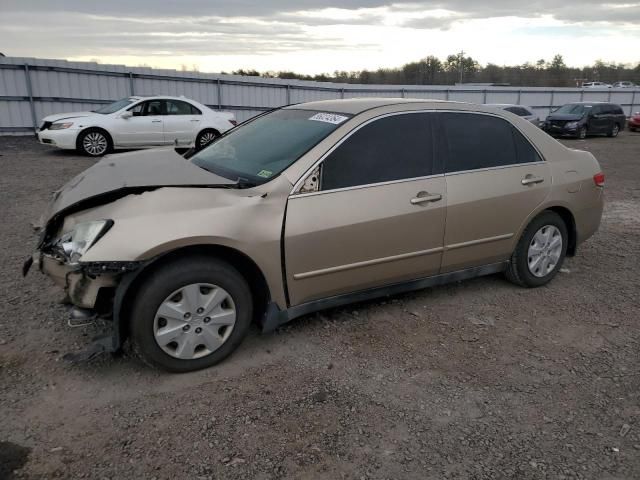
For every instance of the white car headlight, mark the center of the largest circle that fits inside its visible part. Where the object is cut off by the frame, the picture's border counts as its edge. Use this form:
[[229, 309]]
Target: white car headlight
[[60, 126], [571, 125], [75, 243]]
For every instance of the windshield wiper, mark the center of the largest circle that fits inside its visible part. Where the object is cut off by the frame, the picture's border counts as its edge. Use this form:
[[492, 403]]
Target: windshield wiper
[[244, 183]]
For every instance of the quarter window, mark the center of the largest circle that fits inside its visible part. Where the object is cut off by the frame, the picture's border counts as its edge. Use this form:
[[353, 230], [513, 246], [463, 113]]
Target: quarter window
[[391, 148]]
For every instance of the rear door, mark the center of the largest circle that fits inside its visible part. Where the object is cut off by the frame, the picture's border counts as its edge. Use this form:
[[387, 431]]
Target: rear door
[[600, 119], [144, 128], [377, 217], [181, 122], [495, 179]]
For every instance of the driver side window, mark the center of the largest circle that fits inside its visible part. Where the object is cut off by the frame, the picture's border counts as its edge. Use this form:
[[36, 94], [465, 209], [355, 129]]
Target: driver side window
[[146, 109]]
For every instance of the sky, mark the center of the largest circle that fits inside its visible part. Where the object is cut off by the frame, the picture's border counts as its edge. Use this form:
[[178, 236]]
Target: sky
[[318, 36]]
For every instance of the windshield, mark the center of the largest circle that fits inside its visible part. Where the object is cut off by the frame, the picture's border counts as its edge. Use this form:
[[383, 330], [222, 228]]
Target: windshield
[[114, 107], [261, 149], [573, 109]]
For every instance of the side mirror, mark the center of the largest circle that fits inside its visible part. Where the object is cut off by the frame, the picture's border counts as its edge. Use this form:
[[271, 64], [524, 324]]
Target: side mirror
[[126, 114]]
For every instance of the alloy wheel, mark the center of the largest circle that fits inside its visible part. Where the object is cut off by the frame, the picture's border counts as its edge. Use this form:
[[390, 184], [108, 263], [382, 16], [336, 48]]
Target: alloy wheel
[[206, 138], [194, 321], [95, 143], [544, 251]]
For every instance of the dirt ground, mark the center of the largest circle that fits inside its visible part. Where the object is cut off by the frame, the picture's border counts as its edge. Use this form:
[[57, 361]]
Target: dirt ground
[[474, 380]]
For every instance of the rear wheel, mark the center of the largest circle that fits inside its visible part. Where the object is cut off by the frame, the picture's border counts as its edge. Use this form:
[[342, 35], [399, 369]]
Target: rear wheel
[[205, 138], [540, 251], [190, 314], [615, 130], [94, 143]]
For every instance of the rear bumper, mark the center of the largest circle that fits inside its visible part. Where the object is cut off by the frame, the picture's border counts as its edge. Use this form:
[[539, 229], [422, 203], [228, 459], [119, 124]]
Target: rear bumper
[[65, 138]]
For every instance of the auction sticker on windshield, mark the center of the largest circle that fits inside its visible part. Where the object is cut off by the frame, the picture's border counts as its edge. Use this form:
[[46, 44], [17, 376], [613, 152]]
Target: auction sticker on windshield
[[329, 118]]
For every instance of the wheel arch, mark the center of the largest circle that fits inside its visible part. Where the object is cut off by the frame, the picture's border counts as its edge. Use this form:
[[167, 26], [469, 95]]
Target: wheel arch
[[100, 129], [570, 221], [244, 264]]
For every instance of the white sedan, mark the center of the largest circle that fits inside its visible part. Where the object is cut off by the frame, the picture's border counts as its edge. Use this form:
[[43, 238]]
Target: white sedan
[[136, 122]]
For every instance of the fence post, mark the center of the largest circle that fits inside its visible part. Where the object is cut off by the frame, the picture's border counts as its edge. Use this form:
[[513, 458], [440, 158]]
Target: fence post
[[484, 97], [519, 97], [219, 89], [131, 89], [27, 76], [402, 93], [288, 94], [609, 98], [582, 95], [633, 102], [553, 94], [447, 97], [342, 93]]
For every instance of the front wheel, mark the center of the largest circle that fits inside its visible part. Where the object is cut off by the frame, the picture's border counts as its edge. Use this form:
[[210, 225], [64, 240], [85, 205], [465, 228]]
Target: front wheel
[[582, 132], [94, 143], [190, 314], [540, 251]]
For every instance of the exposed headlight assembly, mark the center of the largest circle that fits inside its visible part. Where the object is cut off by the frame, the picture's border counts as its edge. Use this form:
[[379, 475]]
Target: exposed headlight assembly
[[74, 244], [571, 125], [60, 126]]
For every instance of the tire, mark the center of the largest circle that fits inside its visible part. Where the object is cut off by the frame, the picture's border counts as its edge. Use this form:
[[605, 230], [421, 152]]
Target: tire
[[167, 291], [519, 270], [582, 133], [94, 142], [205, 138], [615, 130]]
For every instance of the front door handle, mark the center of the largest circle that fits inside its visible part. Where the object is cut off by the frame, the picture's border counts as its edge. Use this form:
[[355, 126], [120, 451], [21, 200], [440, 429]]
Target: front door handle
[[156, 121], [425, 197], [531, 180], [195, 120]]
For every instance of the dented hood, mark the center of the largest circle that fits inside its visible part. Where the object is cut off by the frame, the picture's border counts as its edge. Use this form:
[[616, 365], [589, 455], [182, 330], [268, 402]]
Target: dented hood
[[121, 174]]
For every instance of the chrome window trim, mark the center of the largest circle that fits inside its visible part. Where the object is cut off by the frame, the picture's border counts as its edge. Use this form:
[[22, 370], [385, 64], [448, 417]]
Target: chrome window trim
[[360, 187], [294, 191]]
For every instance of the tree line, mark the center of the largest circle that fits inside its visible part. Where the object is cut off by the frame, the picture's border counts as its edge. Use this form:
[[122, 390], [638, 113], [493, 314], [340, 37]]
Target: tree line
[[459, 68]]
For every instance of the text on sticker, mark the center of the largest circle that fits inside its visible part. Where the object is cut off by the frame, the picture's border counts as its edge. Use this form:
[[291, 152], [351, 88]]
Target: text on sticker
[[329, 118]]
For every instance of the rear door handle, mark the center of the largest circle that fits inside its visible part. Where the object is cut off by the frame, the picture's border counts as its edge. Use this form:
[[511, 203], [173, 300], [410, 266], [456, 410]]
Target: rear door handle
[[195, 120], [531, 180], [424, 197], [156, 121]]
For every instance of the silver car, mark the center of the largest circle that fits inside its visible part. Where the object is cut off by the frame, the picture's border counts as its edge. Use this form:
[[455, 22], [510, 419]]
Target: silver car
[[525, 112]]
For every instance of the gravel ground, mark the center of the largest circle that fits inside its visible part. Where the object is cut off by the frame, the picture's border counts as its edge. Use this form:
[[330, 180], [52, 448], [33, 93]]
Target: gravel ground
[[478, 379]]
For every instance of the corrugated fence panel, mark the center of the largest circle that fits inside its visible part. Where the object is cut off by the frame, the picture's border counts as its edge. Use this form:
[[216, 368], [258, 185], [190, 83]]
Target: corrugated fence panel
[[61, 86]]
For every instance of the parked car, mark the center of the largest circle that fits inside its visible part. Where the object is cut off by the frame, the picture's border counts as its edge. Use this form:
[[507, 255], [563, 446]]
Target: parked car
[[596, 85], [308, 207], [634, 122], [586, 118], [136, 122], [624, 85], [524, 112]]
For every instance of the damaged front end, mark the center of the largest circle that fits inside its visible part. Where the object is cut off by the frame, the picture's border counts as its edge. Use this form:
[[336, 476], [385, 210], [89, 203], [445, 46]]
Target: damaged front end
[[92, 288]]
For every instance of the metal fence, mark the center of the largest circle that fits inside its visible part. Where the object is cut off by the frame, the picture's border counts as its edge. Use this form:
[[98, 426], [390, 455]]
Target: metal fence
[[31, 89]]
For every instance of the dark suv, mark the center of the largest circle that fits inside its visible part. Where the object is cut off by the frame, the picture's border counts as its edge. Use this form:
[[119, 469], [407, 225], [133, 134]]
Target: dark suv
[[586, 118]]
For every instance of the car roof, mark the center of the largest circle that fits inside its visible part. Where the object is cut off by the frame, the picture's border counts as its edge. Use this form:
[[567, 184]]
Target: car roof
[[506, 105], [162, 97], [354, 106]]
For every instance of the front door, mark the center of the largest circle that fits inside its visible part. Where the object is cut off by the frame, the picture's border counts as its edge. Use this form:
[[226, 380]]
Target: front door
[[377, 217], [144, 128], [495, 180]]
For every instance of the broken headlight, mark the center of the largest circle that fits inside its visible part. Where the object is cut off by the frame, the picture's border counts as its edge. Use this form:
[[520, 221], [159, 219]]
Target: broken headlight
[[72, 245]]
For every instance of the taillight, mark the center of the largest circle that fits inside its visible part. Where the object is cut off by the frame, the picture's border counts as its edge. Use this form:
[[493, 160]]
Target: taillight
[[598, 179], [233, 122]]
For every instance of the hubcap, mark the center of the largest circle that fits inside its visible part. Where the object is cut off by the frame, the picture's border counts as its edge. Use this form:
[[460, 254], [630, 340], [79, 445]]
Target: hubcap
[[545, 250], [615, 130], [194, 321], [207, 138], [95, 143]]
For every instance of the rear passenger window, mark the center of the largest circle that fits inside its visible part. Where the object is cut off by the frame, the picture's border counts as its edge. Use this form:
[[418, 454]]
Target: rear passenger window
[[392, 148], [477, 141]]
